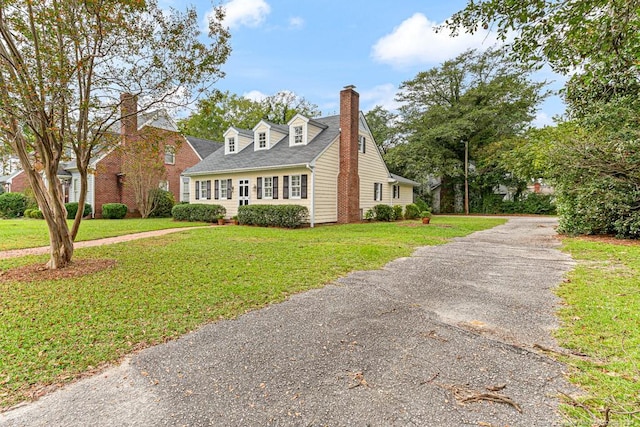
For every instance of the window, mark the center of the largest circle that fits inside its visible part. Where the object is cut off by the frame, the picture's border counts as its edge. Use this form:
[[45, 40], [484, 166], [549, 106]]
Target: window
[[203, 190], [396, 191], [362, 144], [163, 185], [298, 136], [377, 191], [267, 189], [185, 189], [169, 155], [231, 143], [262, 140], [296, 187], [223, 189]]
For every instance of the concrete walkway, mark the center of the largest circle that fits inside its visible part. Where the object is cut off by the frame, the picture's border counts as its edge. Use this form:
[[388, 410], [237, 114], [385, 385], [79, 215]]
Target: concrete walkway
[[14, 253], [401, 346]]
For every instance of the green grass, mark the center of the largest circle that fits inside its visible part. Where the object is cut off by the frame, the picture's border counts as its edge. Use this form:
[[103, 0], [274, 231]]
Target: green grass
[[602, 320], [160, 288], [31, 233]]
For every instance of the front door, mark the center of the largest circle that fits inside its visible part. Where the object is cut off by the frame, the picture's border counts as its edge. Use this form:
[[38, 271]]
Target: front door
[[243, 195]]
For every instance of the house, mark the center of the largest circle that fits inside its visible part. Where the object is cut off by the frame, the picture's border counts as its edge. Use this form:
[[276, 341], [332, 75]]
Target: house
[[14, 182], [330, 165], [106, 181]]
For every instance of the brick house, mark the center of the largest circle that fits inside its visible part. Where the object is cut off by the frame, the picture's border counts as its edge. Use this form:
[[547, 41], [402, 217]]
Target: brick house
[[106, 181], [331, 165], [15, 182]]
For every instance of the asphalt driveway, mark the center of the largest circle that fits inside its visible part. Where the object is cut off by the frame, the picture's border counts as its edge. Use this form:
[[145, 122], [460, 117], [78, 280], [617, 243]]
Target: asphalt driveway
[[443, 338]]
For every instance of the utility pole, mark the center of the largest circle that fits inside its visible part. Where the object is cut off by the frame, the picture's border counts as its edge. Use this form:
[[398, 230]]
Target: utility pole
[[466, 177]]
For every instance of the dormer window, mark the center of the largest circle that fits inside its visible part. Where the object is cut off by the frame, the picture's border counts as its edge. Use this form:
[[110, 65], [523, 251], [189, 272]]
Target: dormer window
[[298, 135], [231, 144], [262, 140]]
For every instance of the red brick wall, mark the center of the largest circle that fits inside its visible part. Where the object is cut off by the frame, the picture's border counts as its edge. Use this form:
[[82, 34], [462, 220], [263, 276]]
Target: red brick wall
[[185, 158], [348, 178], [19, 183]]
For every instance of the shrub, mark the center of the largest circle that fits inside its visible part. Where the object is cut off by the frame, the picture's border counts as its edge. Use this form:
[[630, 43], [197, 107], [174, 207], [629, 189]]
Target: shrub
[[383, 212], [27, 213], [164, 202], [36, 214], [72, 209], [422, 205], [369, 215], [12, 205], [397, 212], [114, 211], [197, 212], [286, 216], [411, 211]]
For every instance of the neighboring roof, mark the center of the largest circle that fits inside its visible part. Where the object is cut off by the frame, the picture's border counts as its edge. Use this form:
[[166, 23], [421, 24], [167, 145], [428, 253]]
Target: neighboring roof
[[279, 155], [62, 172], [204, 147], [403, 180], [158, 119], [7, 178]]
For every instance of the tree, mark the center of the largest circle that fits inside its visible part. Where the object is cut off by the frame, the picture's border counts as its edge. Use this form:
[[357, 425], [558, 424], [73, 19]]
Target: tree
[[63, 66], [476, 98], [384, 127], [214, 115]]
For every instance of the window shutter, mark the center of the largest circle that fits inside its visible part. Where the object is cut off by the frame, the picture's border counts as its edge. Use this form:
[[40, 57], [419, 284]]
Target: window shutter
[[208, 189], [285, 187], [375, 191], [259, 187], [275, 187], [229, 188], [303, 186], [216, 186], [364, 145], [197, 190], [398, 191]]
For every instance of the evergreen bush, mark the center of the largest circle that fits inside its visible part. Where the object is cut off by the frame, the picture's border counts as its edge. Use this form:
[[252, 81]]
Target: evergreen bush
[[72, 209], [12, 205], [286, 216], [164, 202], [397, 212], [197, 212], [114, 210], [411, 211], [383, 212]]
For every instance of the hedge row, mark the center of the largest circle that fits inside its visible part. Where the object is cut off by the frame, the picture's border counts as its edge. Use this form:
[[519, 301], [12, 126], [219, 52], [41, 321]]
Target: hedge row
[[384, 212], [197, 212], [286, 216], [114, 211]]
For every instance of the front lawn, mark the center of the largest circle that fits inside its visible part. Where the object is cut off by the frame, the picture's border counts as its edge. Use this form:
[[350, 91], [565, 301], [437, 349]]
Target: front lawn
[[160, 288], [602, 321], [30, 233]]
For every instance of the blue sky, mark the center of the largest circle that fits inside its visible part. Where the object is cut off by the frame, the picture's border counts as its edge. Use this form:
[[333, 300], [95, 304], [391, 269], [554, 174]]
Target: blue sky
[[314, 48]]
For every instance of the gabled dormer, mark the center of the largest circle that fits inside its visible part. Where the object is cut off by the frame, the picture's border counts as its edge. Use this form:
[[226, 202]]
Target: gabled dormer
[[302, 130], [236, 139], [267, 134]]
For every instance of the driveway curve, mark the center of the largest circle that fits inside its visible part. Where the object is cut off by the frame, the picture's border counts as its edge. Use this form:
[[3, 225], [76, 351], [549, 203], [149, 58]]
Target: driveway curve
[[445, 337]]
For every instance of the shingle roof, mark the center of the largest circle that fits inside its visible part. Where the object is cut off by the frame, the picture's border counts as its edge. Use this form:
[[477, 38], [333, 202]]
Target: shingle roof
[[204, 147], [403, 180], [279, 155]]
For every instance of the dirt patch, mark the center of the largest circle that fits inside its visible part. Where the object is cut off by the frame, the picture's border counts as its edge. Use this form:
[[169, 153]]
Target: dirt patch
[[36, 272]]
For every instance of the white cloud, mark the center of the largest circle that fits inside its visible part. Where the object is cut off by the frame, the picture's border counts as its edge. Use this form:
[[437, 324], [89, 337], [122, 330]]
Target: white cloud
[[255, 95], [415, 42], [248, 13], [542, 119], [383, 95], [296, 22]]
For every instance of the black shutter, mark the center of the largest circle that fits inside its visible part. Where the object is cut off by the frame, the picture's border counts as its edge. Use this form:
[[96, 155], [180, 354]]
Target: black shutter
[[285, 187], [303, 186], [375, 191], [259, 187], [197, 190], [275, 187], [216, 189], [364, 145], [208, 189], [398, 191], [229, 188]]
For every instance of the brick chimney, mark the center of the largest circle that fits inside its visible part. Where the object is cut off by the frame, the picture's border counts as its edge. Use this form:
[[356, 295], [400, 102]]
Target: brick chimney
[[128, 115], [348, 178]]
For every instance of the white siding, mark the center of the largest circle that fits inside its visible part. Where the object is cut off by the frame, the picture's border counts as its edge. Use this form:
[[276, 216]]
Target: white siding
[[326, 184], [372, 169]]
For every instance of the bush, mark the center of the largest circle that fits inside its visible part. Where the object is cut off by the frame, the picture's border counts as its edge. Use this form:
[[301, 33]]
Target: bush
[[422, 205], [72, 209], [197, 212], [12, 205], [114, 210], [286, 216], [411, 211], [27, 212], [164, 202], [383, 213], [397, 212], [36, 214]]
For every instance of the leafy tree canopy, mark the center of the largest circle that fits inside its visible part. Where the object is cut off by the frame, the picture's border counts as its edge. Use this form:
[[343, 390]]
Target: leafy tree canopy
[[215, 114]]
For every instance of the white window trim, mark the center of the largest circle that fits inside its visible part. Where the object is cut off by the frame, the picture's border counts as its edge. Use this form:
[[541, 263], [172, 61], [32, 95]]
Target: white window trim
[[170, 150], [264, 187], [223, 189], [203, 190], [266, 140], [361, 143], [299, 186], [231, 139], [292, 138]]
